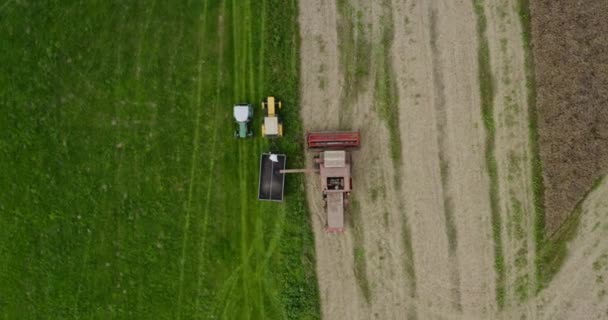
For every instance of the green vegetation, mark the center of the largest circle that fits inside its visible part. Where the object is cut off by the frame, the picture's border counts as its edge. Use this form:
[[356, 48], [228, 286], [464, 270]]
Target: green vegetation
[[360, 273], [486, 88], [124, 192], [537, 170], [386, 97], [355, 49], [359, 251]]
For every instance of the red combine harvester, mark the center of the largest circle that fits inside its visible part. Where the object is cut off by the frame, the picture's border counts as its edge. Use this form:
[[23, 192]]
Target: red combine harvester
[[333, 164]]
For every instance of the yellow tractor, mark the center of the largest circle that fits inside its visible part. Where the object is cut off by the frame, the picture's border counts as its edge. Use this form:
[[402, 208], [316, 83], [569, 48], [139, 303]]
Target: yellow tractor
[[272, 126]]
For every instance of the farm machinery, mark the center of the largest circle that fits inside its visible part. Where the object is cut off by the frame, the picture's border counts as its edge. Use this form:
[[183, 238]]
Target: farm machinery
[[272, 126], [243, 113], [332, 162]]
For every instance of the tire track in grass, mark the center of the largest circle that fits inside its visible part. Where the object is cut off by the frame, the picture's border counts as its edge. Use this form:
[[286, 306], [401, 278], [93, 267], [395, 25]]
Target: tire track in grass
[[444, 166], [246, 276], [262, 47], [149, 10], [193, 163], [90, 235], [254, 94], [211, 159], [237, 274], [240, 91]]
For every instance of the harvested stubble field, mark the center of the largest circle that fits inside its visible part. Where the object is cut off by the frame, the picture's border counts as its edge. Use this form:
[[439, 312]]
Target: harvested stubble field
[[123, 191], [447, 217]]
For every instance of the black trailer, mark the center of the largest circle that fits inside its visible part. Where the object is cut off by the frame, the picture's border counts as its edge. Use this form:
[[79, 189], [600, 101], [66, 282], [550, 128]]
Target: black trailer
[[272, 180]]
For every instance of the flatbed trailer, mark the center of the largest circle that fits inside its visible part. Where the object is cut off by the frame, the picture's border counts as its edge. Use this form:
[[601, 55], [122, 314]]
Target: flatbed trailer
[[332, 162], [272, 179]]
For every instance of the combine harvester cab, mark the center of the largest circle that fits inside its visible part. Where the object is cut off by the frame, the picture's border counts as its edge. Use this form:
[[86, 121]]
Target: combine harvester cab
[[272, 179], [334, 171]]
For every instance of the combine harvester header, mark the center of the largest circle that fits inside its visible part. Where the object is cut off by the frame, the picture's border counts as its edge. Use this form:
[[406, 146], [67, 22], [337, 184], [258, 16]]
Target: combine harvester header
[[333, 140]]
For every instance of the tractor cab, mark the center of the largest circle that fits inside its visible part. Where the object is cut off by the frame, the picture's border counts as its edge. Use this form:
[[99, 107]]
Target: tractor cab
[[243, 113], [272, 126]]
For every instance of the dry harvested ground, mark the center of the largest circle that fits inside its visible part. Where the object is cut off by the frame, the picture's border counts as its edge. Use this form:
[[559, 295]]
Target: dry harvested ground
[[442, 224]]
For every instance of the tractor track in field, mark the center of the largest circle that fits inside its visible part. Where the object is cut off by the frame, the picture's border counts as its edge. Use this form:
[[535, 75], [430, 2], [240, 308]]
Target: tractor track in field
[[244, 88], [211, 158], [194, 161], [444, 168], [90, 236]]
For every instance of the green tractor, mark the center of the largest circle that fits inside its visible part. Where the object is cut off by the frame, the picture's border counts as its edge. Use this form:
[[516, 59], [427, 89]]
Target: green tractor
[[243, 113]]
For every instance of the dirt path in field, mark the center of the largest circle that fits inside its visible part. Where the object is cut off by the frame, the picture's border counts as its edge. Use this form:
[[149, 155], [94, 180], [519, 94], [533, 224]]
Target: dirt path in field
[[580, 289]]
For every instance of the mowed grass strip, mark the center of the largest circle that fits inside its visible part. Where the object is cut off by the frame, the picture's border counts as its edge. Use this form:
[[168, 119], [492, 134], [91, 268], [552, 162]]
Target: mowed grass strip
[[124, 193]]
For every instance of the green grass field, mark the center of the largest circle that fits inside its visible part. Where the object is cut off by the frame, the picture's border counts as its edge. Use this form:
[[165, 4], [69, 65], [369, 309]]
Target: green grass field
[[123, 193]]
